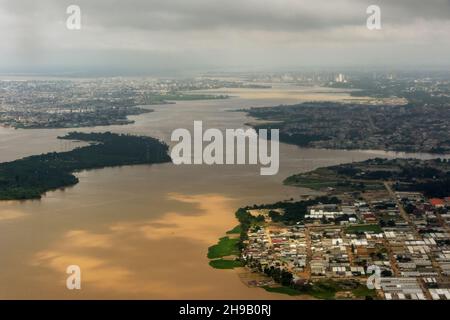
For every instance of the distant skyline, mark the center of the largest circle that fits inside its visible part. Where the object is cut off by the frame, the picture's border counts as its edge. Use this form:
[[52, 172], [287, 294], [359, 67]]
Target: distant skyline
[[183, 36]]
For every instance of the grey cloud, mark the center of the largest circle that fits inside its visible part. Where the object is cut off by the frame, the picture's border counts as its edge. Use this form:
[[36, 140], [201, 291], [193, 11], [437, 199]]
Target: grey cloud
[[274, 15], [171, 33]]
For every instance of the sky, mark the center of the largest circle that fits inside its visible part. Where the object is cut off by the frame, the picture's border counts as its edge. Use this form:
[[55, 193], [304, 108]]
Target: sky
[[157, 36]]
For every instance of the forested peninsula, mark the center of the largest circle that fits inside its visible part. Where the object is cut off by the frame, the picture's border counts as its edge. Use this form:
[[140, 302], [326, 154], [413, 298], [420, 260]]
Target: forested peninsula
[[31, 177]]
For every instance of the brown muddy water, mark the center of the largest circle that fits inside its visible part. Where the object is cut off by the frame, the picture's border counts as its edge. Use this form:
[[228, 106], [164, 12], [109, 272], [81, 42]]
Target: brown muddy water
[[143, 231]]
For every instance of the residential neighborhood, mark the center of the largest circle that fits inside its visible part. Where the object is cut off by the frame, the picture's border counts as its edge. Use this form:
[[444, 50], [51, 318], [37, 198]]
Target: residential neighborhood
[[401, 235]]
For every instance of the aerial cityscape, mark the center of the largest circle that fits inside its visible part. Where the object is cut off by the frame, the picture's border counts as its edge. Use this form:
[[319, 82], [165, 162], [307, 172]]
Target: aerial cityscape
[[324, 246], [108, 189]]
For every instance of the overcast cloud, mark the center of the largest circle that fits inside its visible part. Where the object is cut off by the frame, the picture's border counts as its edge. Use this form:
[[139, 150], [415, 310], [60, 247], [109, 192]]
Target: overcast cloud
[[158, 35]]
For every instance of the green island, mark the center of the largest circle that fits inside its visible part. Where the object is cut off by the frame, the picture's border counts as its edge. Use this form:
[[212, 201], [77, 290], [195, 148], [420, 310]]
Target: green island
[[159, 98], [30, 177]]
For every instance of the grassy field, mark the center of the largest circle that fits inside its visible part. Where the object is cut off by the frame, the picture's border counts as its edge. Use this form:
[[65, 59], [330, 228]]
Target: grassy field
[[225, 264], [363, 291], [225, 247], [323, 178], [283, 290], [320, 290], [326, 290], [323, 290], [310, 182]]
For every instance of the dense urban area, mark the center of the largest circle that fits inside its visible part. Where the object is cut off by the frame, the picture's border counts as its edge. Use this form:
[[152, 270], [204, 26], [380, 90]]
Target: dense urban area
[[379, 229], [403, 115], [91, 102], [384, 217]]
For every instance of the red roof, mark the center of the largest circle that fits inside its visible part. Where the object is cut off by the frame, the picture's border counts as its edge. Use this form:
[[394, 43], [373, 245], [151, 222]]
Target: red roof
[[437, 202], [368, 215]]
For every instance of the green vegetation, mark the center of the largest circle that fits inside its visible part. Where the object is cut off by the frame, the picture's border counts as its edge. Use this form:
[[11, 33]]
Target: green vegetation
[[363, 292], [310, 183], [246, 221], [231, 246], [327, 289], [225, 264], [433, 188], [299, 139], [364, 228], [30, 177], [283, 290], [431, 177], [157, 98], [294, 211], [225, 247], [279, 275], [324, 289], [235, 230], [332, 177]]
